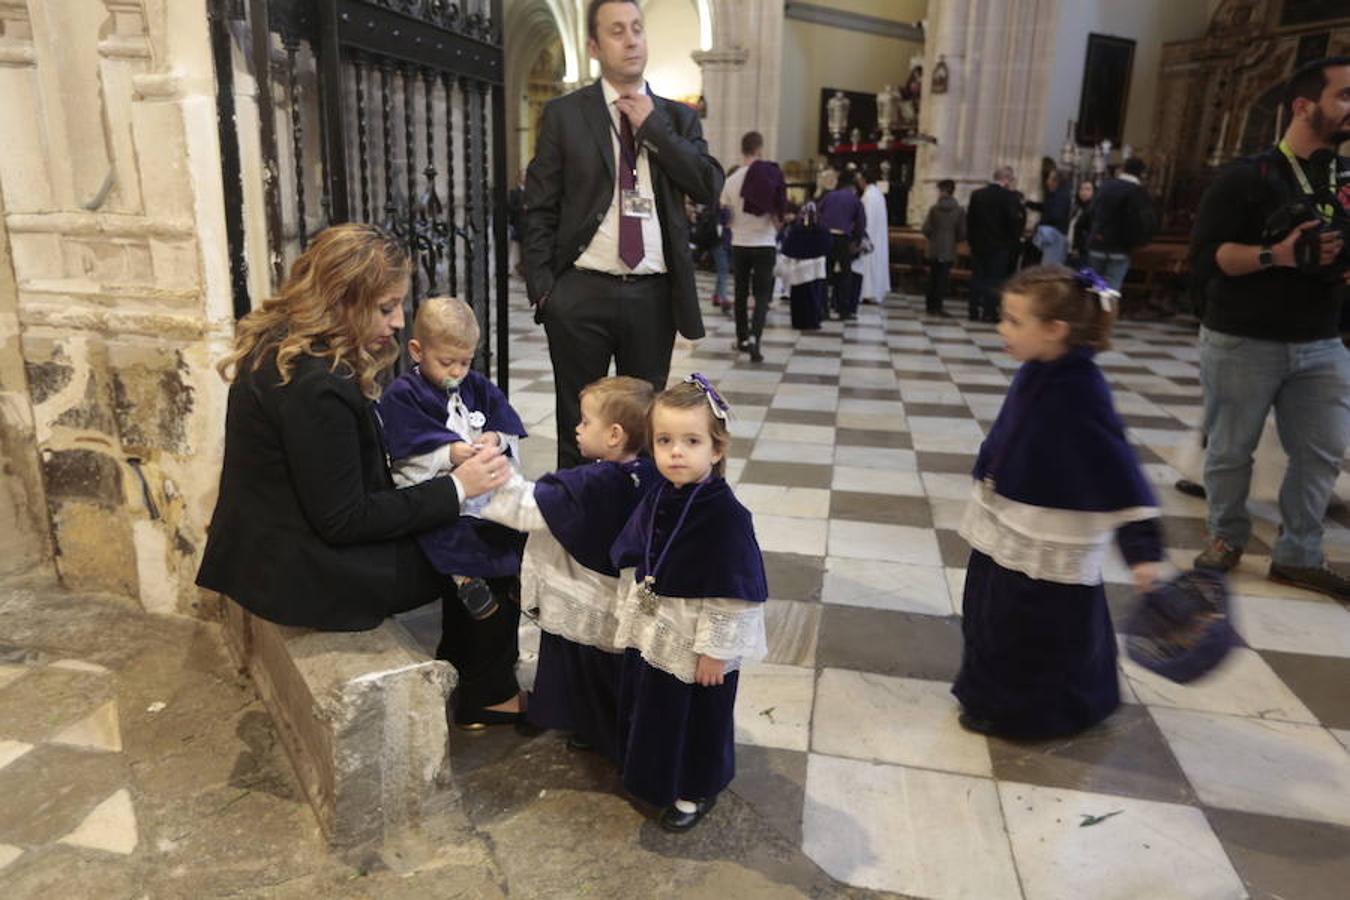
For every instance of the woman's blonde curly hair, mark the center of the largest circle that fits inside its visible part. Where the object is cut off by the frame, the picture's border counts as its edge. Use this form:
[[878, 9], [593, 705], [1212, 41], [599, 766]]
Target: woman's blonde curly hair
[[327, 307]]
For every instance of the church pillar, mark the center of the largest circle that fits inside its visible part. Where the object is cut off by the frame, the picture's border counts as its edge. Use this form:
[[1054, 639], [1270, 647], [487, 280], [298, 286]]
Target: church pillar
[[741, 76], [998, 60]]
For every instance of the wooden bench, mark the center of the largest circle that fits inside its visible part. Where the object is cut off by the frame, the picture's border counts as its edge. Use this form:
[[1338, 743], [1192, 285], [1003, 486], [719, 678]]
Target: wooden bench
[[362, 717]]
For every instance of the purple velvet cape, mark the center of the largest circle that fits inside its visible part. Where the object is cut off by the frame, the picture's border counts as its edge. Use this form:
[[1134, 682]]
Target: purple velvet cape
[[413, 414], [1057, 441], [586, 507], [714, 554], [764, 191]]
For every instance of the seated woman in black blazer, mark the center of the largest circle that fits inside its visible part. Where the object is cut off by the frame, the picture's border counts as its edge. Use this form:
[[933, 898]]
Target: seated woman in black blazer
[[309, 529]]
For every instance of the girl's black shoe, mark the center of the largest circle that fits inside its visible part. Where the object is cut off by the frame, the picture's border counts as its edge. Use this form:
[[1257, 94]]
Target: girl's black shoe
[[673, 819]]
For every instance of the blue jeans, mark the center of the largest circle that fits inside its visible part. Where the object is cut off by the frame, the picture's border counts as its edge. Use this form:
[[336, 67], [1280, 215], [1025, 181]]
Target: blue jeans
[[721, 262], [1111, 266], [1308, 384], [1052, 243]]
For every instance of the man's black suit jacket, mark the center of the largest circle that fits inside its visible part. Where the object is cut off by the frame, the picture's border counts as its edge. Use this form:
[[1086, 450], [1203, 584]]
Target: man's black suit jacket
[[994, 219], [307, 523], [569, 186]]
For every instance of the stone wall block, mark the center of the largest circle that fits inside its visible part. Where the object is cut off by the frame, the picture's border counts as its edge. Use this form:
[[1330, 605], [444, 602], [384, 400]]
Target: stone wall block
[[157, 128], [25, 178], [94, 548], [152, 399]]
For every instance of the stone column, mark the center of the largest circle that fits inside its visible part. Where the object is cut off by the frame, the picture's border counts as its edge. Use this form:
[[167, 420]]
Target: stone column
[[741, 76], [998, 59], [113, 214]]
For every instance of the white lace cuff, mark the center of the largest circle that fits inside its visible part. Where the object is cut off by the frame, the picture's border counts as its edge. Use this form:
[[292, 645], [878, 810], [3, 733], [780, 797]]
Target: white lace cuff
[[513, 505], [730, 629]]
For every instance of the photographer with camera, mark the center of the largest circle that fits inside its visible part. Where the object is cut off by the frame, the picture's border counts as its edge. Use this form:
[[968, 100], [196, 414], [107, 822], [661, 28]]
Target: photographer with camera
[[1269, 249]]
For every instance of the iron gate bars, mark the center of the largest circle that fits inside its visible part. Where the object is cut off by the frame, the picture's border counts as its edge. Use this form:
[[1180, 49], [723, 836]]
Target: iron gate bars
[[384, 111]]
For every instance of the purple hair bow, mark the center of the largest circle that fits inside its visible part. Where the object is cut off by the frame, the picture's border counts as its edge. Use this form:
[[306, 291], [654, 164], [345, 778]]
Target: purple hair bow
[[1096, 284], [720, 408]]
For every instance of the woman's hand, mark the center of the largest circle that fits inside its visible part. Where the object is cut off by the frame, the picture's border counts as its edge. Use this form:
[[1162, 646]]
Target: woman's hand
[[1145, 576], [709, 671], [485, 471]]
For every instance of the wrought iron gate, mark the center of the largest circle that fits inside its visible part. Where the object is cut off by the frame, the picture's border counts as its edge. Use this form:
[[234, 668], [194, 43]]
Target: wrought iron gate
[[383, 111]]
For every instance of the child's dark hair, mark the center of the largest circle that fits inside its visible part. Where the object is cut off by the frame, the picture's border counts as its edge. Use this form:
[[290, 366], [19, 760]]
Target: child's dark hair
[[624, 401], [687, 395], [1058, 294]]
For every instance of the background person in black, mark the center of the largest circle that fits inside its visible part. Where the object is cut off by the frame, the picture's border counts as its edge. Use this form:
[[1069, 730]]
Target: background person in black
[[1270, 334], [994, 222], [308, 528], [1122, 222]]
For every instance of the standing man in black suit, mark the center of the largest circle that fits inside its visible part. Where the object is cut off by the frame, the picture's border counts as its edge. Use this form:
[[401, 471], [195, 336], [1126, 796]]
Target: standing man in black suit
[[607, 261], [994, 222]]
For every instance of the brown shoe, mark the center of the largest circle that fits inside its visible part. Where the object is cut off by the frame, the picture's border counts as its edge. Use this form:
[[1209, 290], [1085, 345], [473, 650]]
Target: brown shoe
[[1219, 555], [1322, 579]]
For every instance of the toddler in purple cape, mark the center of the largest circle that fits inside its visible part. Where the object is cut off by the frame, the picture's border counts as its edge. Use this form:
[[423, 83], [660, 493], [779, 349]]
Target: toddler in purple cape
[[436, 417], [572, 517]]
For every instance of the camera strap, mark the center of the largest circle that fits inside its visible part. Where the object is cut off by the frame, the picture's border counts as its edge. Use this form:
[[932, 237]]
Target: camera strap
[[1326, 207]]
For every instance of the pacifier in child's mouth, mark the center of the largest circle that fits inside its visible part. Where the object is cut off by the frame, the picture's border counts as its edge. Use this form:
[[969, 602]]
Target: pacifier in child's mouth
[[450, 385]]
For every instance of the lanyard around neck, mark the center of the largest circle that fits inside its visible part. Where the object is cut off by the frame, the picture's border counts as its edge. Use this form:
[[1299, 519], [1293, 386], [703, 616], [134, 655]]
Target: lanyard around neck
[[1324, 208], [651, 528]]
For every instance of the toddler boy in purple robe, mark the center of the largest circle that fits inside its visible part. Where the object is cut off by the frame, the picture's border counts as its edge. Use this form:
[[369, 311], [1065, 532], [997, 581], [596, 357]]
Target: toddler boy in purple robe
[[436, 417]]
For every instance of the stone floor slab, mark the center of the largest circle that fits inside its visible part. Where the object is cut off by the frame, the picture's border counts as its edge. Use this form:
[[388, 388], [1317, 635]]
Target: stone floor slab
[[1285, 857], [886, 585], [773, 706]]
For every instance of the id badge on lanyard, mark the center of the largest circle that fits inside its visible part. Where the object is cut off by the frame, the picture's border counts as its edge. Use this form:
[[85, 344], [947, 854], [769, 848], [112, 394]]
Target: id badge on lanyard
[[636, 206]]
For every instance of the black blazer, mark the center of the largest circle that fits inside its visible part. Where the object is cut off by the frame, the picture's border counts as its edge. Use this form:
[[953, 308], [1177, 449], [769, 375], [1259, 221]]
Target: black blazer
[[994, 219], [305, 527], [569, 186]]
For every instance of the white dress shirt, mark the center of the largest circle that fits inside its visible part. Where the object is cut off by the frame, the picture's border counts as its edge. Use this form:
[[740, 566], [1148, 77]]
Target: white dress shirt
[[602, 253]]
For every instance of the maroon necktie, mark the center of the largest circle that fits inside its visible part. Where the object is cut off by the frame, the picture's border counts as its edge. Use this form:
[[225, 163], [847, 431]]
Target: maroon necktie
[[630, 227]]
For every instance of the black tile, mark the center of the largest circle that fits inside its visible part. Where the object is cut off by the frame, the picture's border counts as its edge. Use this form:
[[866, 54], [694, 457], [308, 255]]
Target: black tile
[[800, 416], [904, 645], [911, 375], [954, 549], [1284, 858], [998, 389], [861, 437], [1126, 755], [862, 393], [788, 474], [1321, 682], [866, 364], [945, 463], [794, 576], [1147, 455], [804, 378], [773, 781], [823, 354], [881, 508], [948, 410], [1165, 423], [746, 398]]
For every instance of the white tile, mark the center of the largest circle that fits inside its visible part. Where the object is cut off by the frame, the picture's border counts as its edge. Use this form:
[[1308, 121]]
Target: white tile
[[947, 514], [878, 584], [1342, 735], [881, 410], [1242, 685], [905, 721], [813, 365], [734, 469], [791, 451], [1260, 766], [956, 588], [110, 827], [787, 534], [791, 431], [806, 396], [875, 458], [896, 543], [1162, 851], [911, 831], [943, 486], [12, 750], [750, 382], [79, 665], [773, 706], [777, 500], [877, 481], [8, 854], [97, 731], [1319, 627], [866, 378], [930, 392]]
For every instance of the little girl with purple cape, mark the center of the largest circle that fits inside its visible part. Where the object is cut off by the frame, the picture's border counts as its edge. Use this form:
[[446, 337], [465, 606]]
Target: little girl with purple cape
[[1055, 480], [693, 610]]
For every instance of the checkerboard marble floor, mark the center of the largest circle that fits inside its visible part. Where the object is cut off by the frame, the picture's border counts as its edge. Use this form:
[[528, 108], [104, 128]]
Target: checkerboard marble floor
[[852, 448]]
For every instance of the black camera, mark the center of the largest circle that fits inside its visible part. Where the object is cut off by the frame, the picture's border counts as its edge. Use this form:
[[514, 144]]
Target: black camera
[[1308, 247]]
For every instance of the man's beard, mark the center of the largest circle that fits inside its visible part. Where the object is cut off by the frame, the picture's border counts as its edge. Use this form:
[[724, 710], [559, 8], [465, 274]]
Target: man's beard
[[1334, 134]]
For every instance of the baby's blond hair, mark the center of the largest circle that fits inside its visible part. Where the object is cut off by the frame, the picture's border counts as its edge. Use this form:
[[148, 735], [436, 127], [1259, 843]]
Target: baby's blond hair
[[446, 320]]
